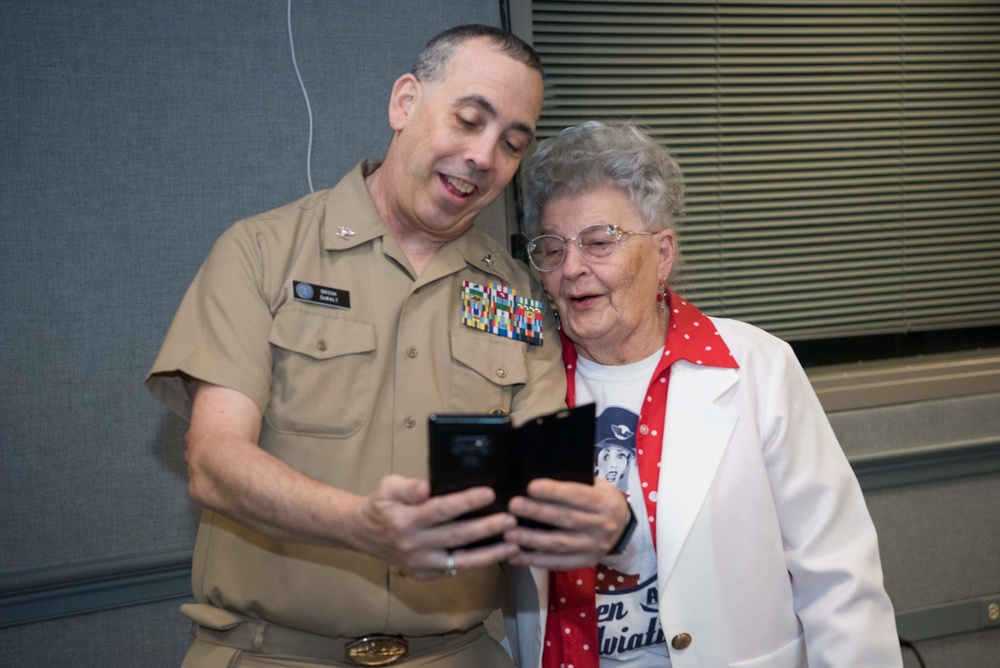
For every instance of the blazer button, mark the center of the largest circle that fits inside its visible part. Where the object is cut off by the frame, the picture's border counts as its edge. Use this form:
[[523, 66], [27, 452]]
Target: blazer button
[[681, 641]]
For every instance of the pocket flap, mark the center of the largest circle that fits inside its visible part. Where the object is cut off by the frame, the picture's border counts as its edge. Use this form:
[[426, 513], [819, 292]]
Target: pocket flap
[[320, 335], [499, 360]]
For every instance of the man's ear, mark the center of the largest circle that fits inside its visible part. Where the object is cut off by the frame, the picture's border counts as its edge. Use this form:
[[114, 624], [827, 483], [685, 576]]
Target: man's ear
[[405, 93]]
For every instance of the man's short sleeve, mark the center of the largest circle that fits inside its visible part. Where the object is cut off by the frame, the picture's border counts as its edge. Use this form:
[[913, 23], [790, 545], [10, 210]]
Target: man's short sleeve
[[220, 332]]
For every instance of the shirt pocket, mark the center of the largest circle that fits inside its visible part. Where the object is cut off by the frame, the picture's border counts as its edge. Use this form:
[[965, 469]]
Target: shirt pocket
[[488, 370], [321, 373]]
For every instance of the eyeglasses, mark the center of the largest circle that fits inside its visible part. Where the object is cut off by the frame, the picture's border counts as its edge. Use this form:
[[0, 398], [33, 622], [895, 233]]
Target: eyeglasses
[[596, 242]]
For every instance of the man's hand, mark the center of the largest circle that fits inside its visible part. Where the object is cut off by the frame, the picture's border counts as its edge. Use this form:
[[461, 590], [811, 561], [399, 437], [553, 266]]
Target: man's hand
[[403, 525], [589, 520], [399, 522]]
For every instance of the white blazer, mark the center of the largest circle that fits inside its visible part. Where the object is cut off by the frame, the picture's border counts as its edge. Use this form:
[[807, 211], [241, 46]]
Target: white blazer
[[767, 556]]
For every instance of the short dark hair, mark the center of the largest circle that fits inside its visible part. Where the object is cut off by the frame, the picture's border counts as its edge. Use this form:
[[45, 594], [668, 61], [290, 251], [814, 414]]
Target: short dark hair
[[431, 62]]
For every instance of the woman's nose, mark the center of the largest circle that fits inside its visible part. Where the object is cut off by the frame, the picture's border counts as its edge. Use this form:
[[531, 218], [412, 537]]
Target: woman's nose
[[573, 262]]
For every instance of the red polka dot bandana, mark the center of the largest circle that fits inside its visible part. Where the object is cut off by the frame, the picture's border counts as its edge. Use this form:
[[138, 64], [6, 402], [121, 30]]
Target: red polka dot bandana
[[571, 627]]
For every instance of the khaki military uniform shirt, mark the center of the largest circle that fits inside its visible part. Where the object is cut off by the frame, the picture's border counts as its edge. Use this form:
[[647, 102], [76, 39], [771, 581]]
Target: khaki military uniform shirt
[[345, 394]]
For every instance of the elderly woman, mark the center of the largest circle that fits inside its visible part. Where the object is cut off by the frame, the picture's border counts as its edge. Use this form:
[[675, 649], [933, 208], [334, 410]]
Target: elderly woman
[[754, 547]]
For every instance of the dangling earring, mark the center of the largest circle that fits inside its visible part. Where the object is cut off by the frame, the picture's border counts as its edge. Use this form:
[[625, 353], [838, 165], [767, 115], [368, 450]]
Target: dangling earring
[[555, 311], [661, 296]]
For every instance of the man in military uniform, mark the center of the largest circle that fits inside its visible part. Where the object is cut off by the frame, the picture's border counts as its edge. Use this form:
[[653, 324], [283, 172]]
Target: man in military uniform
[[309, 351]]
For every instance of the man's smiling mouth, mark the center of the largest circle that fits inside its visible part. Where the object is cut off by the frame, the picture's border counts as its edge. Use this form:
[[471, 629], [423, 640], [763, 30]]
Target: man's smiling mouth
[[461, 187]]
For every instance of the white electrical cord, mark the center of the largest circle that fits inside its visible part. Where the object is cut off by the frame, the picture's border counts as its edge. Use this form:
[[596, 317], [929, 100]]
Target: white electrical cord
[[291, 44]]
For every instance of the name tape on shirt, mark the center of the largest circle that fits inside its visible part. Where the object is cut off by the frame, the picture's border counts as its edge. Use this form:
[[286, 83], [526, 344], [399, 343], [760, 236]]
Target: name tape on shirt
[[321, 295], [497, 309]]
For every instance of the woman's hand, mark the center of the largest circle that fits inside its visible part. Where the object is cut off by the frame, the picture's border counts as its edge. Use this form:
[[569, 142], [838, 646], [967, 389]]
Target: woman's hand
[[588, 521]]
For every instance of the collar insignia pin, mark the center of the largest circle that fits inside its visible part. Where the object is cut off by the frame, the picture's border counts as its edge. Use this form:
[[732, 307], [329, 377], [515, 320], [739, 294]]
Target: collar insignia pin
[[344, 232], [488, 260]]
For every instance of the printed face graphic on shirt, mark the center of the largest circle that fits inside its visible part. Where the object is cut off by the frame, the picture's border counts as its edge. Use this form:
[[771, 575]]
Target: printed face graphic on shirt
[[613, 464], [627, 598]]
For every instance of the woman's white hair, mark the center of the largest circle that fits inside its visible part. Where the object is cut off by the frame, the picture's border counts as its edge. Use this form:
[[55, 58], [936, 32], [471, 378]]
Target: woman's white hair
[[595, 154]]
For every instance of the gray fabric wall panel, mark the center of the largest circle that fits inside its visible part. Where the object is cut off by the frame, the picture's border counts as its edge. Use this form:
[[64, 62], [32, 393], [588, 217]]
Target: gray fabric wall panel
[[134, 133], [148, 636], [975, 650], [939, 541], [917, 424]]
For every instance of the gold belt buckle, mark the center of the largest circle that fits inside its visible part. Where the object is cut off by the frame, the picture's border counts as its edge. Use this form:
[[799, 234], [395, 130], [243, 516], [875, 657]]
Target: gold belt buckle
[[377, 650]]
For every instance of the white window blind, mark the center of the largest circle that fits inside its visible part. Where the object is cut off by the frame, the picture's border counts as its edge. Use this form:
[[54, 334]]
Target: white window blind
[[842, 158]]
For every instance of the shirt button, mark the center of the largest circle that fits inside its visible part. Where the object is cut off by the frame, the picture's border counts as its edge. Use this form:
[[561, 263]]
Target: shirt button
[[411, 352], [643, 430], [502, 372], [321, 345], [410, 422], [681, 641]]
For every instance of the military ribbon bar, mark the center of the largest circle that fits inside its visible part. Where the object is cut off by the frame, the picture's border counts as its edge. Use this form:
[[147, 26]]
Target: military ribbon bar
[[499, 310]]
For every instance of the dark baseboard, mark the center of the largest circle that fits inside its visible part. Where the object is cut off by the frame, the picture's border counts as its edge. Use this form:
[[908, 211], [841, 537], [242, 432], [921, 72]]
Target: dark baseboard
[[51, 593], [934, 463]]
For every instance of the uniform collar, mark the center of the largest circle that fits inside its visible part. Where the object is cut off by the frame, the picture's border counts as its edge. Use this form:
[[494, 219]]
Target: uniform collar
[[476, 249], [352, 219]]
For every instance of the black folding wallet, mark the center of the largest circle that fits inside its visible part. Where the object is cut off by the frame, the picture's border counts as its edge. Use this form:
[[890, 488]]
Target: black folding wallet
[[472, 450]]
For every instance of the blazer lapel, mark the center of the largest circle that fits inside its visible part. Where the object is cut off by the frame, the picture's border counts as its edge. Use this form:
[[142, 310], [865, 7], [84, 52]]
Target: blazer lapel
[[696, 434]]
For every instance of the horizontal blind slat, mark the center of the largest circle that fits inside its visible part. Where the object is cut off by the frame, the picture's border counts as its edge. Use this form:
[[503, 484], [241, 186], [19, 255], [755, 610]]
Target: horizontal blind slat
[[842, 159]]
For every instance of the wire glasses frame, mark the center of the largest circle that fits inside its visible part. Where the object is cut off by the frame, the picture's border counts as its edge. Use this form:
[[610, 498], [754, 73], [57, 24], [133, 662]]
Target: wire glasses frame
[[596, 242]]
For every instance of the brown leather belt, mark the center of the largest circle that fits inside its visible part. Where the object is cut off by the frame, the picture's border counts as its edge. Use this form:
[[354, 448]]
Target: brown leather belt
[[369, 650]]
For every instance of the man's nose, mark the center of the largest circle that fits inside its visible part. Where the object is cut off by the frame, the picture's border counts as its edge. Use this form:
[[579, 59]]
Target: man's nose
[[481, 151]]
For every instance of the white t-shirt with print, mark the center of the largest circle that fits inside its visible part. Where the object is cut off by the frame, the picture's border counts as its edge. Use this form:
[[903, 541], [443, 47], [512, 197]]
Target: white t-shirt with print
[[629, 630]]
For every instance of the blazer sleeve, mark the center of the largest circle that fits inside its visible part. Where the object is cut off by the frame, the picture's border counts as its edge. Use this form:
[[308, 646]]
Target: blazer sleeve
[[829, 540]]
